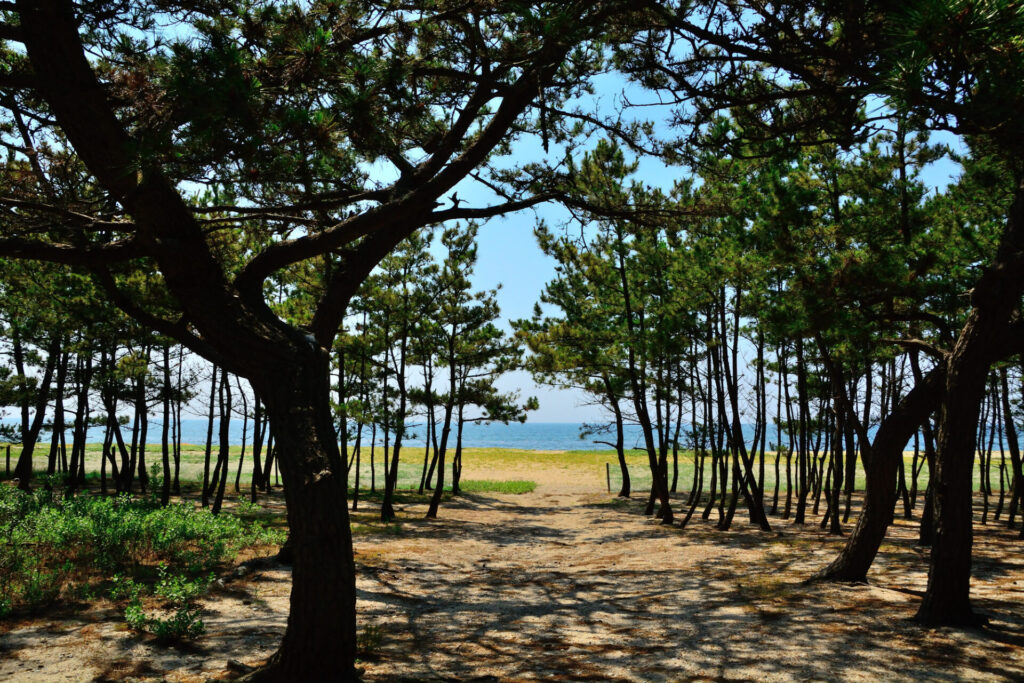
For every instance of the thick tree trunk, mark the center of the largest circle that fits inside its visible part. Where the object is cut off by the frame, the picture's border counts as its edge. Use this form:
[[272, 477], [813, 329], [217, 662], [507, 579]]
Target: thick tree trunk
[[321, 618], [288, 367], [994, 298], [947, 598]]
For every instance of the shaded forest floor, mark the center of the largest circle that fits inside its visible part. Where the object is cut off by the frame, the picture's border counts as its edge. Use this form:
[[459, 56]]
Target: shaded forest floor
[[568, 584]]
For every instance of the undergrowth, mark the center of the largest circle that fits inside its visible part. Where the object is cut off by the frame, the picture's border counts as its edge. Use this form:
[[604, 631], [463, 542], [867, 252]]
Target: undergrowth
[[56, 545]]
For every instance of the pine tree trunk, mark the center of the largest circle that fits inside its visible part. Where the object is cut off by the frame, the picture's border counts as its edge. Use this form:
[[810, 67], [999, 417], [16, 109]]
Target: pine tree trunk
[[30, 430], [996, 295], [322, 617]]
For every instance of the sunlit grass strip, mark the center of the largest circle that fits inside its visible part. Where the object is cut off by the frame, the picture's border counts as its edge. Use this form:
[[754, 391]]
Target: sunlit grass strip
[[494, 486]]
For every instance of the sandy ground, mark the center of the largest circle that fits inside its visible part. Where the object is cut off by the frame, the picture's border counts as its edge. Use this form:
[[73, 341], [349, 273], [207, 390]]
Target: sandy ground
[[562, 584]]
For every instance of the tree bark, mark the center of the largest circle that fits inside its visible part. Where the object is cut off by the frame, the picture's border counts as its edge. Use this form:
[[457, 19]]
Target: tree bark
[[321, 618], [994, 298]]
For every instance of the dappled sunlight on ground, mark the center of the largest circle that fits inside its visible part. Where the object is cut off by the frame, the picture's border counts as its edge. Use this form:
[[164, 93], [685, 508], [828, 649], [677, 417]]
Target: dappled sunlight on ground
[[568, 584]]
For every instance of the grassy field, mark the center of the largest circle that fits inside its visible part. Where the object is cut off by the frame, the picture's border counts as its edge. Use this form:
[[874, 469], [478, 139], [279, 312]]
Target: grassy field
[[597, 463], [640, 474], [371, 475]]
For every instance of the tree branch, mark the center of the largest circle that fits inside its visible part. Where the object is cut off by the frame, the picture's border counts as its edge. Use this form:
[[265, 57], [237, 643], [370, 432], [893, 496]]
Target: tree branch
[[921, 345], [175, 330], [98, 255]]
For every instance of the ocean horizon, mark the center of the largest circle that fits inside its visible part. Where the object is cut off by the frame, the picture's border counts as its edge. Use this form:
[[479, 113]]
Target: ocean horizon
[[555, 436], [558, 436]]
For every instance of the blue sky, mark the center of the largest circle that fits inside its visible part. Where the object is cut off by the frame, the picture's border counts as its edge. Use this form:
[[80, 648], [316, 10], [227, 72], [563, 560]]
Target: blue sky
[[508, 255]]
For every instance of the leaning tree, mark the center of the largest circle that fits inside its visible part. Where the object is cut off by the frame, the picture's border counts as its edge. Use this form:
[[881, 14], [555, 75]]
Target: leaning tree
[[218, 143]]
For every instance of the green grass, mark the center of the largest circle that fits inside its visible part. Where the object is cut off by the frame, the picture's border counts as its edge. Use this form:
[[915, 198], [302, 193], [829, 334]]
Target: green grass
[[495, 486], [482, 459], [640, 474]]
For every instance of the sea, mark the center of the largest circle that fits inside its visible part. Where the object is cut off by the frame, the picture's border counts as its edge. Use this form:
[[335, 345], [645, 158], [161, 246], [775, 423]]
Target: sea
[[557, 436], [553, 436]]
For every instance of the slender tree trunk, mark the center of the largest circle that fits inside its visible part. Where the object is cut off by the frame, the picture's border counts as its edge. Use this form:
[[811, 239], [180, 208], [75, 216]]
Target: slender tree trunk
[[142, 408], [387, 510], [245, 434], [886, 451], [373, 457], [259, 432], [358, 457], [1017, 475], [58, 414], [209, 437], [165, 488], [30, 430], [926, 534], [221, 475], [426, 448], [636, 372], [76, 476], [449, 406], [620, 451], [457, 459], [802, 454], [176, 442]]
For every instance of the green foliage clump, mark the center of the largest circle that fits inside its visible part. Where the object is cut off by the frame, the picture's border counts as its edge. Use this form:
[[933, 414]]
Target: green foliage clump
[[184, 623], [179, 588], [179, 593], [50, 541]]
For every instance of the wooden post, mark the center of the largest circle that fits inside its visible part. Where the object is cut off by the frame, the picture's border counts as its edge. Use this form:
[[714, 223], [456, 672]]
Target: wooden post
[[608, 475], [8, 460]]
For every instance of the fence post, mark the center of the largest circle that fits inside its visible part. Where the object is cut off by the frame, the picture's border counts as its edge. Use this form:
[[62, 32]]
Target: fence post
[[608, 475], [8, 460]]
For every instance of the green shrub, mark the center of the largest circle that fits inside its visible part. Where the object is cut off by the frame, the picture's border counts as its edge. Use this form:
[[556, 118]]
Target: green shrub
[[124, 588], [47, 538], [183, 624], [179, 588]]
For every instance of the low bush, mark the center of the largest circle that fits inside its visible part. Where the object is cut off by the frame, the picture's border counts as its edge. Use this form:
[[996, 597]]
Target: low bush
[[184, 622], [53, 544]]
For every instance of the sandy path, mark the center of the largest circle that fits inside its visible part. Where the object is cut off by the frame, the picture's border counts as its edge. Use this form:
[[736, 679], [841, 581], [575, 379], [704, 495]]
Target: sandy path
[[557, 586], [561, 585]]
